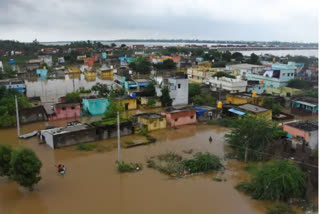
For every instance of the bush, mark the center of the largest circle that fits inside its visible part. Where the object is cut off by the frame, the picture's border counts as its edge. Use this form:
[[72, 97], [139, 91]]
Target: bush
[[276, 180], [86, 147], [5, 157], [281, 208], [25, 168], [128, 167], [202, 162]]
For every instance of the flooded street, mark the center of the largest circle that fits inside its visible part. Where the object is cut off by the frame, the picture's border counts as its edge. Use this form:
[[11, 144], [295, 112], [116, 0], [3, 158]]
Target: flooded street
[[93, 185]]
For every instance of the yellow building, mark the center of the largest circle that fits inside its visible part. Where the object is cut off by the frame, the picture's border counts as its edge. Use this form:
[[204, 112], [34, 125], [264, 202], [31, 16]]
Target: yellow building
[[90, 75], [129, 103], [283, 91], [240, 99], [105, 73], [152, 121], [202, 71], [73, 70], [145, 100], [256, 111]]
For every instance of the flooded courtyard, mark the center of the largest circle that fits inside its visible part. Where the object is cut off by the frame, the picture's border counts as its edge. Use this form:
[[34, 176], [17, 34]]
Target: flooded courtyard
[[93, 185]]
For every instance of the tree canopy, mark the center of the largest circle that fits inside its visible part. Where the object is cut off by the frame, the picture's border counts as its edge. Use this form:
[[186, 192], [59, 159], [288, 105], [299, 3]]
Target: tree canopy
[[25, 168], [277, 180], [165, 97], [250, 137], [5, 158], [194, 89], [167, 64], [141, 65]]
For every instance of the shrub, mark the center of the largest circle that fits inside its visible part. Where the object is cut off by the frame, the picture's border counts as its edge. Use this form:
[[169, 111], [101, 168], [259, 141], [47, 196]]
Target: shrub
[[5, 157], [25, 168], [86, 147], [276, 180], [128, 167], [281, 208], [202, 162]]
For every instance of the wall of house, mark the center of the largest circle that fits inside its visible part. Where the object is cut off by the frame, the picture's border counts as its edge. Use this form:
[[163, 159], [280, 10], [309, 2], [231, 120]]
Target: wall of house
[[215, 115], [283, 91], [110, 131], [260, 89], [95, 106], [153, 124], [296, 132], [33, 114], [313, 139], [181, 118], [47, 138], [179, 91], [132, 103], [106, 75], [238, 100], [73, 138], [66, 112]]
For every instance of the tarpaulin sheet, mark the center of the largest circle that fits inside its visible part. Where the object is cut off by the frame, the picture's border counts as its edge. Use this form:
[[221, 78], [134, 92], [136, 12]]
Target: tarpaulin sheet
[[236, 111], [200, 111]]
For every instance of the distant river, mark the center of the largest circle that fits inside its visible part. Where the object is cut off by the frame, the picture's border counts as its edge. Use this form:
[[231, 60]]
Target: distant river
[[307, 53]]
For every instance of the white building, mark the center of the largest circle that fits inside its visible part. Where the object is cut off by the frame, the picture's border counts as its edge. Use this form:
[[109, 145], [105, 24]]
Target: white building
[[1, 67], [227, 84], [178, 87], [244, 69], [46, 59]]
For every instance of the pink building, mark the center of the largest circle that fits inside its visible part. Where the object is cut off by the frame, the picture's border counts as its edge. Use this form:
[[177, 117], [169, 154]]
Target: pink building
[[306, 130], [180, 116], [65, 111]]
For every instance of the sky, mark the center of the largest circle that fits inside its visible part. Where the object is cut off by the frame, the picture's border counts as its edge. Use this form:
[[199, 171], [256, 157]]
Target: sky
[[247, 20]]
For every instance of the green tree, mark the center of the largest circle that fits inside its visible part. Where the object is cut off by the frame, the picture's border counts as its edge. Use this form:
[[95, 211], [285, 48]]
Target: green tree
[[112, 109], [167, 64], [141, 65], [254, 59], [226, 56], [150, 90], [300, 84], [270, 103], [194, 89], [101, 89], [25, 168], [277, 180], [73, 97], [237, 56], [5, 157], [151, 102], [223, 74], [165, 97], [204, 100], [7, 106], [218, 64], [250, 137]]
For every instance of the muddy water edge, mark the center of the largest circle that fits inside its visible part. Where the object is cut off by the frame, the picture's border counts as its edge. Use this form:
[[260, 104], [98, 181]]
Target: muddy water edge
[[93, 185]]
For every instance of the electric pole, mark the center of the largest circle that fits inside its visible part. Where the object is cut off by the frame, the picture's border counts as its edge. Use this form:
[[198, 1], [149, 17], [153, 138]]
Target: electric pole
[[17, 115], [118, 127]]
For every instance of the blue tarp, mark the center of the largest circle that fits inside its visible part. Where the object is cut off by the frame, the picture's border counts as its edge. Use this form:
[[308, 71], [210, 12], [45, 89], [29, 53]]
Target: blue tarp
[[236, 111], [199, 111]]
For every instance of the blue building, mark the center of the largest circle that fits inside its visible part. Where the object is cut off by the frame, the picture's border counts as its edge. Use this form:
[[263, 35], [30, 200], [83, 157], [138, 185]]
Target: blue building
[[95, 106], [278, 76]]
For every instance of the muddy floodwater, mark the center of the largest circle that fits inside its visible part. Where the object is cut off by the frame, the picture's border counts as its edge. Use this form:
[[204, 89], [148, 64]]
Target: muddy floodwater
[[93, 185]]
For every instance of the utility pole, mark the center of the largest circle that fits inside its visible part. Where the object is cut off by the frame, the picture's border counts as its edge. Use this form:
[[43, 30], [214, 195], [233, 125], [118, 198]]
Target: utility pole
[[17, 115], [118, 127]]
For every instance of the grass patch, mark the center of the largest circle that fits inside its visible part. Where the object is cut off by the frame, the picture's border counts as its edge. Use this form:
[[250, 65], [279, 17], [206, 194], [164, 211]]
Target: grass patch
[[128, 167], [174, 165], [86, 147], [280, 208], [252, 168]]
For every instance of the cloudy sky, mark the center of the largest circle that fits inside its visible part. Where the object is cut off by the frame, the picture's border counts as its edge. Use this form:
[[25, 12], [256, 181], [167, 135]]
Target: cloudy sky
[[64, 20]]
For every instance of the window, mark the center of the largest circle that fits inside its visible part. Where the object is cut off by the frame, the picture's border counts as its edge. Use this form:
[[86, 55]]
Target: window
[[179, 85], [72, 107], [259, 87], [210, 113], [288, 74], [283, 74], [63, 108], [176, 119], [191, 117], [292, 74]]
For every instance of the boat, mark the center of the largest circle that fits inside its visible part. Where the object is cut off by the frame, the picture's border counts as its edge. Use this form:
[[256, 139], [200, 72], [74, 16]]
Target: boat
[[28, 135]]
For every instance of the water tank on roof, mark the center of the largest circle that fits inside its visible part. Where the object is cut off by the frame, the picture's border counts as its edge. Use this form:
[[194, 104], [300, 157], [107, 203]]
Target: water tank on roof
[[133, 95], [254, 94], [261, 82], [219, 105]]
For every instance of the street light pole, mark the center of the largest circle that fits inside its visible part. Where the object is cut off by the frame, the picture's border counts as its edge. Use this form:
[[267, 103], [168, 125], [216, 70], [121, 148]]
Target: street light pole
[[118, 127], [17, 115]]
